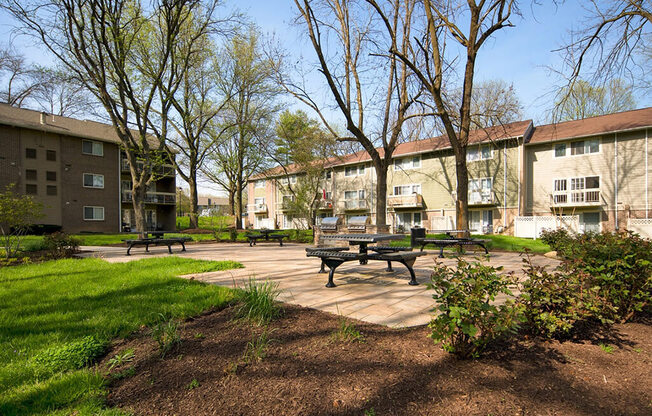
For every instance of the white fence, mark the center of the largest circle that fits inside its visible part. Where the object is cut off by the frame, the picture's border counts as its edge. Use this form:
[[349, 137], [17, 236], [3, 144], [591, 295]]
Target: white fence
[[531, 227], [641, 226], [442, 223]]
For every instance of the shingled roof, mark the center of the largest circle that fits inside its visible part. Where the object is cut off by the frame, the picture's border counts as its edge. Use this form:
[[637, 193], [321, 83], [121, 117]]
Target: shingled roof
[[486, 135], [592, 126], [37, 120]]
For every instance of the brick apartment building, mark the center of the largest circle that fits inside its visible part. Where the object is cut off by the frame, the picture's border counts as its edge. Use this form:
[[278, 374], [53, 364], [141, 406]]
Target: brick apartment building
[[76, 170]]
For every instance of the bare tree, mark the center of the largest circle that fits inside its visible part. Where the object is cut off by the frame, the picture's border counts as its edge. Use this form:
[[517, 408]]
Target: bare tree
[[246, 120], [58, 92], [19, 78], [372, 94], [452, 32], [613, 43], [122, 52], [582, 100]]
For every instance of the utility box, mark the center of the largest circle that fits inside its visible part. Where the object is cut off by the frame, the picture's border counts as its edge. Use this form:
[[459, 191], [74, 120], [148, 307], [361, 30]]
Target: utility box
[[416, 232]]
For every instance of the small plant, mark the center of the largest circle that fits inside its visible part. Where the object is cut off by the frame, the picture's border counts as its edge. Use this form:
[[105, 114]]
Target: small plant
[[607, 348], [72, 355], [117, 360], [370, 412], [259, 304], [61, 245], [199, 335], [166, 334], [126, 373], [193, 384], [347, 332], [469, 319], [257, 348]]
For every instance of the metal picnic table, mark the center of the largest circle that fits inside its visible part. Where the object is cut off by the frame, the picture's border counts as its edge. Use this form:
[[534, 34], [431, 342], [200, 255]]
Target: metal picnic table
[[362, 240]]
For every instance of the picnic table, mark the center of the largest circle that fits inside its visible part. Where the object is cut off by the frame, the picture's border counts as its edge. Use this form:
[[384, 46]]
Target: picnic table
[[453, 239], [157, 239], [267, 235], [334, 257]]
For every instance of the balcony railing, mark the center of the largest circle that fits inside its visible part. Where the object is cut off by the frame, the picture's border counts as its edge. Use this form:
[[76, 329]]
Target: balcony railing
[[405, 201], [483, 197], [325, 204], [576, 198], [355, 204], [287, 203], [161, 170], [257, 208], [166, 198]]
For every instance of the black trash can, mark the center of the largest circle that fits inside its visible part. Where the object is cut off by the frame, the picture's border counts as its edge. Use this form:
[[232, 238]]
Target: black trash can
[[416, 232]]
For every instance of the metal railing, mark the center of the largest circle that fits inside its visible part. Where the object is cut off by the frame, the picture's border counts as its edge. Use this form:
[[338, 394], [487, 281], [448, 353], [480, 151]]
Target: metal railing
[[168, 198], [483, 197], [576, 198], [352, 204], [405, 201], [162, 170], [257, 208]]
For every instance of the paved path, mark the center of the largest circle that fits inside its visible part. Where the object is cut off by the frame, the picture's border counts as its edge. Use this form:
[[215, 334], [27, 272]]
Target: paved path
[[368, 292]]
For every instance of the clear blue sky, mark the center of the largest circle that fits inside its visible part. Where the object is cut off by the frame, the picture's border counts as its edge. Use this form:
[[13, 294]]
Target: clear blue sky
[[516, 55]]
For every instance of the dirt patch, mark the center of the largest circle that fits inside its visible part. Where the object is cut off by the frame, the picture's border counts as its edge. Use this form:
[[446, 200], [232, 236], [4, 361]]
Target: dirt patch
[[393, 372]]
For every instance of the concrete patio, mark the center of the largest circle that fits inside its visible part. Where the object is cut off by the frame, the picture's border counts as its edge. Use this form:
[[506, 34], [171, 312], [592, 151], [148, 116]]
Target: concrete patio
[[365, 292]]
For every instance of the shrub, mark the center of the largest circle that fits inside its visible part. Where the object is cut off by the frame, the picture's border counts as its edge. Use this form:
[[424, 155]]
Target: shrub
[[469, 319], [554, 302], [620, 265], [559, 240], [166, 334], [72, 355], [60, 245], [259, 304]]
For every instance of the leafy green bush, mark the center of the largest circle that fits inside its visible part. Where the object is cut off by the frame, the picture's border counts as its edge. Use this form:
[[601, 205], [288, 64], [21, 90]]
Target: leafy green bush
[[72, 355], [61, 245], [166, 334], [620, 265], [559, 240], [554, 302], [469, 319], [259, 304]]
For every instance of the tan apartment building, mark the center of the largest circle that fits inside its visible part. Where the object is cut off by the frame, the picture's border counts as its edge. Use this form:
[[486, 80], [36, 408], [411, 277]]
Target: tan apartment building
[[76, 170], [596, 169]]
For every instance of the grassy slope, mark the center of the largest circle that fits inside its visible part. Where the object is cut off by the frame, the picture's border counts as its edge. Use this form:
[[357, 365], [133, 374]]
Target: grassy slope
[[49, 304], [497, 242]]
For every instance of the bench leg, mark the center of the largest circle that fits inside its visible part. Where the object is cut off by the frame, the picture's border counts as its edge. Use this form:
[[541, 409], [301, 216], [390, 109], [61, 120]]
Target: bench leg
[[183, 246], [280, 242], [422, 247], [363, 250], [251, 242], [441, 252], [332, 265], [322, 269], [147, 248], [129, 249], [409, 263], [389, 266], [170, 248], [485, 248]]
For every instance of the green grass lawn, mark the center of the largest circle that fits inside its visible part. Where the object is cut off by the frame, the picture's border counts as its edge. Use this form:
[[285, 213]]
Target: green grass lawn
[[48, 308], [497, 242], [208, 223]]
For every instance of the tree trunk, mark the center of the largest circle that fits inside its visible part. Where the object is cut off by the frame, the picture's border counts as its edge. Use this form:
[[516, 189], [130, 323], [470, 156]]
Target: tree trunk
[[462, 202], [138, 194], [231, 202], [381, 194], [238, 209], [194, 214]]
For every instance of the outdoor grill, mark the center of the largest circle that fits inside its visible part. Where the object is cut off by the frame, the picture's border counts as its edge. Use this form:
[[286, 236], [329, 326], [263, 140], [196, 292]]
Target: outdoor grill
[[358, 224], [329, 224]]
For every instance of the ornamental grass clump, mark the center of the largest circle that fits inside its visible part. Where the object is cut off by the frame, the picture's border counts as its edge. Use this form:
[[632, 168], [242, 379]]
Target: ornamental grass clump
[[469, 316], [259, 304]]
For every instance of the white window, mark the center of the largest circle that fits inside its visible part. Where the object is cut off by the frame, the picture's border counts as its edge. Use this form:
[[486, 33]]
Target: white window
[[93, 213], [560, 185], [354, 170], [92, 180], [328, 174], [259, 184], [585, 147], [481, 184], [289, 179], [259, 201], [560, 150], [407, 189], [407, 220], [483, 152], [407, 163], [577, 184], [351, 195], [90, 147]]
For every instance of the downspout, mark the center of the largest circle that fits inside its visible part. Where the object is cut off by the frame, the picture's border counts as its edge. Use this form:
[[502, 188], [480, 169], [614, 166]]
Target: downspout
[[616, 181], [120, 193], [505, 186], [646, 178], [521, 153]]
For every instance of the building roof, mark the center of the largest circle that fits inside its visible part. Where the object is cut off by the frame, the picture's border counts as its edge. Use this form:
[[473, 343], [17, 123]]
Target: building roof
[[215, 200], [592, 126], [37, 120], [486, 135]]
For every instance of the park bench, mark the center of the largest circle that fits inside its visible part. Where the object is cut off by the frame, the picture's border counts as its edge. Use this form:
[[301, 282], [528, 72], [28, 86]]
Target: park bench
[[333, 259], [388, 249], [325, 249], [157, 241], [449, 242], [254, 237]]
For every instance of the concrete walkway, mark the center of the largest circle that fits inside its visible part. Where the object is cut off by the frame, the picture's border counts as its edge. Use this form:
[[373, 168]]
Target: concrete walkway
[[368, 292]]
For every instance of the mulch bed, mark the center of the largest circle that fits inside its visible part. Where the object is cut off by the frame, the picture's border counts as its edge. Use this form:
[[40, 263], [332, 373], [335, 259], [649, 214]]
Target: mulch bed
[[393, 372]]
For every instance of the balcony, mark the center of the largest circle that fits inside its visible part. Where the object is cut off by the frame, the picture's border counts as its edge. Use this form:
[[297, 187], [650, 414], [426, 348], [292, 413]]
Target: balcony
[[165, 170], [355, 204], [288, 203], [325, 204], [405, 201], [581, 198], [483, 197], [163, 198], [257, 208]]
